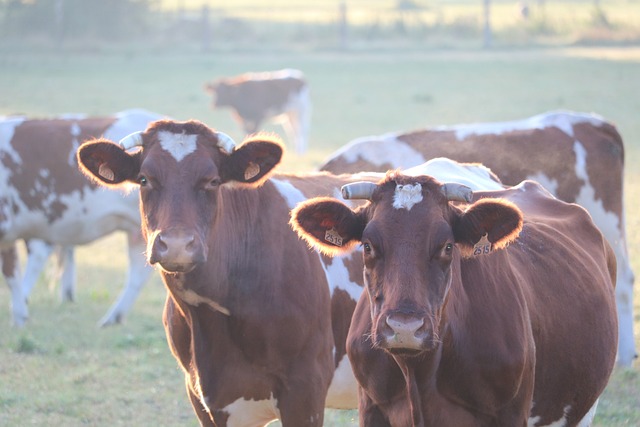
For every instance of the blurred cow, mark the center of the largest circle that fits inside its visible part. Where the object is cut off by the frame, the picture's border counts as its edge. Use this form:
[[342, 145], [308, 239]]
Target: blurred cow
[[578, 157], [45, 200], [282, 96]]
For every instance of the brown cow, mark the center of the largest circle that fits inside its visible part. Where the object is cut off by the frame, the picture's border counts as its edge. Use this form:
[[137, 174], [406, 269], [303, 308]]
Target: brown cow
[[256, 319], [281, 95], [500, 312], [578, 157]]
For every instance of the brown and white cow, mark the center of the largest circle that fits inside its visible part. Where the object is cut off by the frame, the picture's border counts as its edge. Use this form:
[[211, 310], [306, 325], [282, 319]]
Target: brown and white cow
[[576, 156], [498, 312], [282, 96], [46, 200]]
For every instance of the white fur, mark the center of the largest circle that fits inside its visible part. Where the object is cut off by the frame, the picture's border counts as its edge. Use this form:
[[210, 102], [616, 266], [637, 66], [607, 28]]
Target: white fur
[[179, 145]]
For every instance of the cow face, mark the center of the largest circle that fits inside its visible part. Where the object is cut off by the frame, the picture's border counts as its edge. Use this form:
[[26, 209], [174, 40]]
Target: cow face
[[220, 92], [181, 170], [412, 239]]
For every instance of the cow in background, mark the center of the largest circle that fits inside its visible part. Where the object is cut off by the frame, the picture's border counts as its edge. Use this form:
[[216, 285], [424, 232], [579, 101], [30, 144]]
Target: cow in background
[[493, 308], [46, 201], [281, 96], [578, 157], [256, 320]]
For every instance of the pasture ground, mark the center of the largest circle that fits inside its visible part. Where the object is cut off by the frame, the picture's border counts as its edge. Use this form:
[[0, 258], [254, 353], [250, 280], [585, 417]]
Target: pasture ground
[[61, 370]]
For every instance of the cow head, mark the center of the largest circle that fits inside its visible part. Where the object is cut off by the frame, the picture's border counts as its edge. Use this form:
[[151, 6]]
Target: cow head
[[412, 237], [220, 92], [181, 169]]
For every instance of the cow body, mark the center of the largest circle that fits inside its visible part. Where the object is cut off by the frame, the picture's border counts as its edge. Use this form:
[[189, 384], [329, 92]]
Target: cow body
[[500, 312], [46, 201], [577, 157], [281, 95]]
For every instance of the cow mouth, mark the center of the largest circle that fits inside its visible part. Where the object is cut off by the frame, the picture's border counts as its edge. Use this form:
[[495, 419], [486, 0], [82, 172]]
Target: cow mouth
[[176, 267]]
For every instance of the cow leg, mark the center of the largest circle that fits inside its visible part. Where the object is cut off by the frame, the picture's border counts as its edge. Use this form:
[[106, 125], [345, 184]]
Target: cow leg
[[369, 412], [11, 272], [38, 252], [302, 403], [624, 302], [201, 412], [66, 272], [138, 274]]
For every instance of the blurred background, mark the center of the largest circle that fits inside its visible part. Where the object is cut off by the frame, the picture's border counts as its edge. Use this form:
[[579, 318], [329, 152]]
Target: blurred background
[[372, 66]]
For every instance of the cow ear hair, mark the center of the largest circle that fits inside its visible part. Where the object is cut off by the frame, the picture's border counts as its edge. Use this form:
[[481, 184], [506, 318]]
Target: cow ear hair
[[106, 163], [487, 225], [253, 161], [328, 225]]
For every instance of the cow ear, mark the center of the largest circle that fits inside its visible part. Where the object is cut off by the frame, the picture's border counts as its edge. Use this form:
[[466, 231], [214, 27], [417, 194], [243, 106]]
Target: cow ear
[[487, 225], [253, 161], [107, 163], [328, 225]]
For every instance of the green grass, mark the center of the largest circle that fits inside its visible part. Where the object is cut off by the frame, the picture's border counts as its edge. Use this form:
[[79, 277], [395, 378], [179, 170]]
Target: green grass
[[62, 370]]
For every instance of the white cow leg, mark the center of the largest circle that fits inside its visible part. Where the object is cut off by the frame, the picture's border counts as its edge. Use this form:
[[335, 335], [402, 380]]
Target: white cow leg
[[138, 274], [624, 302], [38, 252], [67, 273], [11, 272]]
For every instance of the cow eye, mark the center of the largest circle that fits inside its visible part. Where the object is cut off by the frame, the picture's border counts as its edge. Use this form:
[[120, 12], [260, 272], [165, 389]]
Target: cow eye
[[448, 249], [366, 247], [143, 181], [212, 184]]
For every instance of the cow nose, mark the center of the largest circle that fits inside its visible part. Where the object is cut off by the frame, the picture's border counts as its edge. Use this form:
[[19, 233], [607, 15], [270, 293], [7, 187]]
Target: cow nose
[[177, 250], [404, 331]]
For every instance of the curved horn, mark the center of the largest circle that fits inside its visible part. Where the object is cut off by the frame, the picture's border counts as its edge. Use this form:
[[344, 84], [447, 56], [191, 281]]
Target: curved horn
[[132, 140], [358, 190], [225, 142], [455, 192]]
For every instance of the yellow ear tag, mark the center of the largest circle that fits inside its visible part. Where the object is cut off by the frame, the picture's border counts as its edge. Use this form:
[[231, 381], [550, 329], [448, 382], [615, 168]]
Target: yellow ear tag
[[333, 237], [106, 172], [483, 247], [251, 171]]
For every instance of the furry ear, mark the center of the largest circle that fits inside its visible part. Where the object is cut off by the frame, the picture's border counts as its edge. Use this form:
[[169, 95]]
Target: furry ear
[[106, 163], [328, 225], [253, 161], [498, 219]]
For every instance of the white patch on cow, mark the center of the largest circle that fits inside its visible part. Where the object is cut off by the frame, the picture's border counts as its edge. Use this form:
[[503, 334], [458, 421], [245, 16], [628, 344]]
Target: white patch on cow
[[75, 144], [129, 121], [551, 184], [379, 151], [587, 420], [406, 196], [343, 391], [7, 130], [475, 176], [338, 276], [179, 145], [291, 194], [249, 413], [562, 422], [563, 120]]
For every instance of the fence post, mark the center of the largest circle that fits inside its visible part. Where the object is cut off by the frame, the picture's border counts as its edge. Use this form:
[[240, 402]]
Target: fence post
[[206, 29], [487, 24], [343, 24]]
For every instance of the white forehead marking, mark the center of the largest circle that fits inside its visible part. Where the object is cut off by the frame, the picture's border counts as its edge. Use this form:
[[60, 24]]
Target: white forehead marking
[[407, 195], [179, 145]]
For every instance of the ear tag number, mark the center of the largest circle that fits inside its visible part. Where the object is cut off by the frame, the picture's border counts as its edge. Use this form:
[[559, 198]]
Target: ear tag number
[[483, 247], [333, 237]]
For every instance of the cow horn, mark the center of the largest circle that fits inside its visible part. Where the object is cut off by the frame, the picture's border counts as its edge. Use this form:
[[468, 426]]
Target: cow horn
[[358, 190], [132, 140], [225, 142], [455, 192]]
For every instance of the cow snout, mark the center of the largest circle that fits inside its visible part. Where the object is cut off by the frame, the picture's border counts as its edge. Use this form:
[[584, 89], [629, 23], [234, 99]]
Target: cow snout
[[403, 332], [177, 251]]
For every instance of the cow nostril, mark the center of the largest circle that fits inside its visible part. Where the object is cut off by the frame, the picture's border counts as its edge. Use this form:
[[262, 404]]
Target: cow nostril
[[191, 244], [161, 245]]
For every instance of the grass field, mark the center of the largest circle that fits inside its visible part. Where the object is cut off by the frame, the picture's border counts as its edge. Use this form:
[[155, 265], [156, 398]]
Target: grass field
[[62, 370]]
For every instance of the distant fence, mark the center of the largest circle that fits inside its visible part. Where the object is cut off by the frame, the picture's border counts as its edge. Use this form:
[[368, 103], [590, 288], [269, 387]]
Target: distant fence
[[341, 24]]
